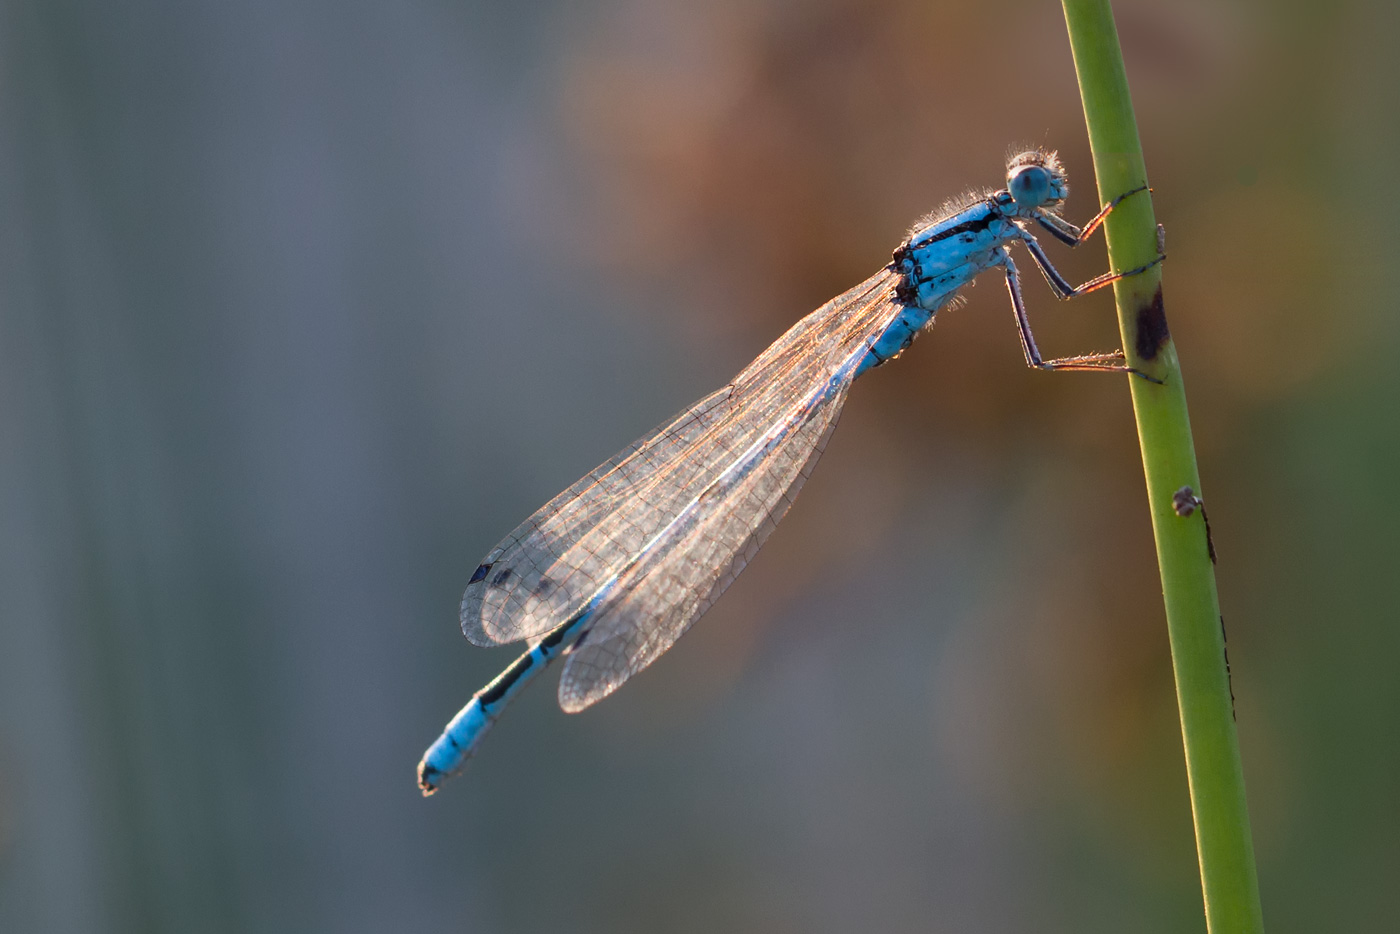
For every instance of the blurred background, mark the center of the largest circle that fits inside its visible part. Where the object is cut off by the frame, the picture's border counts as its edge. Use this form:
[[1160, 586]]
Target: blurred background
[[304, 305]]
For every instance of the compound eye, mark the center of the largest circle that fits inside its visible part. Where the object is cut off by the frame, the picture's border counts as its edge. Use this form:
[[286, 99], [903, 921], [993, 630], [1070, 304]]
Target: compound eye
[[1030, 185]]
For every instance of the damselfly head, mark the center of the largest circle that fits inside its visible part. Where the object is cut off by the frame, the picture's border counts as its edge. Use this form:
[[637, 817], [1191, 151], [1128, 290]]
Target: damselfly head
[[1036, 180]]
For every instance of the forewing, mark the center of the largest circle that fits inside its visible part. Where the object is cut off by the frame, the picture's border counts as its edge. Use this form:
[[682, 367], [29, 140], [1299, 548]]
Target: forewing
[[701, 553], [562, 557], [505, 600]]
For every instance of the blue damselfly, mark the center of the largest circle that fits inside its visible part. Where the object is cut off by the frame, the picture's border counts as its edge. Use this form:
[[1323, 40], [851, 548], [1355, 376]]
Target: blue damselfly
[[611, 572]]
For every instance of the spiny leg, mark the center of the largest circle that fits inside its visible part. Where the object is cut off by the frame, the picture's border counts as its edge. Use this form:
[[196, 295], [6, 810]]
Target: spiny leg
[[1072, 235], [1060, 285], [1111, 362]]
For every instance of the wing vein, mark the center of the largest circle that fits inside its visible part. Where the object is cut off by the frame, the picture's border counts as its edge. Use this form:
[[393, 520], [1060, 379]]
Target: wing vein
[[560, 558]]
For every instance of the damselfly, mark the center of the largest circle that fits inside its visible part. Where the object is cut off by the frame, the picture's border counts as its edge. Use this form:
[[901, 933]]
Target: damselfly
[[613, 570]]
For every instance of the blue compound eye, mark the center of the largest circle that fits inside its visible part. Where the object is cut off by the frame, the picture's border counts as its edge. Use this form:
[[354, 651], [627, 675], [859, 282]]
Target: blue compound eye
[[1030, 186]]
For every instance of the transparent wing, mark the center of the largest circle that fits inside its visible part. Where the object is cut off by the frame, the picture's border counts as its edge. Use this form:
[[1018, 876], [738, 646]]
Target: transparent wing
[[702, 551], [512, 595], [561, 557]]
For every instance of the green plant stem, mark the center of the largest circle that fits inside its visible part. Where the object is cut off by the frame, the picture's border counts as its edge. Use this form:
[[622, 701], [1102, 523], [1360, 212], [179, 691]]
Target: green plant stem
[[1229, 882]]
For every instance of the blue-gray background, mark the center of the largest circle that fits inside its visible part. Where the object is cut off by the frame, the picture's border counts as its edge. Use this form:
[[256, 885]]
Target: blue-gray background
[[304, 304]]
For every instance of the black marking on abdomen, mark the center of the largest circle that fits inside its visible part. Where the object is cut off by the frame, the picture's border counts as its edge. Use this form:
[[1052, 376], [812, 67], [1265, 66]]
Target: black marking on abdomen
[[496, 691], [1152, 333], [578, 643], [502, 577], [551, 641], [479, 574]]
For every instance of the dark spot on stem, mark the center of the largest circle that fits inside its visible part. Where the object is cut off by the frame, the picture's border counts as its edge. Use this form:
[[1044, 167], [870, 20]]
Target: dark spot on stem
[[1229, 679], [1210, 540], [1185, 502], [1152, 333]]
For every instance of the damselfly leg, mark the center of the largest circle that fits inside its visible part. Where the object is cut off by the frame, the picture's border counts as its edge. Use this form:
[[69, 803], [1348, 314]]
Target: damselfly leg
[[1069, 234], [1072, 236]]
